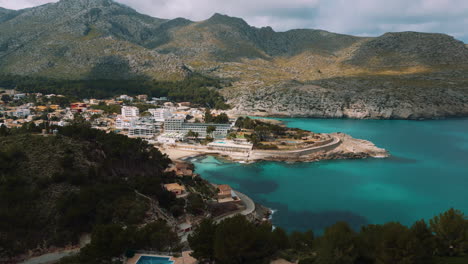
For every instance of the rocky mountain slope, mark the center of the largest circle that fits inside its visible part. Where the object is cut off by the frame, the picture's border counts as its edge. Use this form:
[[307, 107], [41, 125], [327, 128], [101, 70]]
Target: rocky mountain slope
[[300, 72]]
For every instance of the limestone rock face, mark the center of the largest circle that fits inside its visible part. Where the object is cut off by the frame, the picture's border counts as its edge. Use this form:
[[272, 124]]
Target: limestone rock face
[[349, 100]]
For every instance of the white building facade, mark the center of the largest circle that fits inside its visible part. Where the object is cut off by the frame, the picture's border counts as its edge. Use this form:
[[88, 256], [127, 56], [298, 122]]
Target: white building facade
[[130, 111], [178, 125], [160, 114]]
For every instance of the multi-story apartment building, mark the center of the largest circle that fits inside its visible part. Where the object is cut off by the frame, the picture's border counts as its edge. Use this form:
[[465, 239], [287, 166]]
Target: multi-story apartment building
[[122, 122], [130, 111], [160, 114], [142, 131]]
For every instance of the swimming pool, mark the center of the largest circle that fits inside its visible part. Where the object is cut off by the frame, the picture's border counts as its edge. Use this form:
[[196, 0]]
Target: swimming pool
[[154, 260]]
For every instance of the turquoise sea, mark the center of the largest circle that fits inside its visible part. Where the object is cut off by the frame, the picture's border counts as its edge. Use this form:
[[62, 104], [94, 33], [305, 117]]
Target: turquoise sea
[[426, 174]]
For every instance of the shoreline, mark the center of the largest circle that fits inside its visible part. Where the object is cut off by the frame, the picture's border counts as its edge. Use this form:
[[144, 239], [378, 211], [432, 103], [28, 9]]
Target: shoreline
[[342, 146], [259, 114]]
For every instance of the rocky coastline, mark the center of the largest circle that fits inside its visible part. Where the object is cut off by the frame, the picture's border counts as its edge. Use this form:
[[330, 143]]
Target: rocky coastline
[[342, 147], [351, 102]]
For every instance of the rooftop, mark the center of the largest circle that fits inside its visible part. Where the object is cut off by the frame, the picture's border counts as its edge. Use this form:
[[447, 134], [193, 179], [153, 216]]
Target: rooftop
[[174, 187]]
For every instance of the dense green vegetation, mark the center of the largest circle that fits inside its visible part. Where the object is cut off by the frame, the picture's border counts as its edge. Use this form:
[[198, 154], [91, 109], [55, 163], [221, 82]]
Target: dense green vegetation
[[54, 188], [113, 240], [196, 89], [108, 109], [222, 118], [261, 131], [236, 240]]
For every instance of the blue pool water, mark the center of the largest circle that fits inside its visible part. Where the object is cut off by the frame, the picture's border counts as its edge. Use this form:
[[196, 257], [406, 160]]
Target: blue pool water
[[426, 174], [154, 260]]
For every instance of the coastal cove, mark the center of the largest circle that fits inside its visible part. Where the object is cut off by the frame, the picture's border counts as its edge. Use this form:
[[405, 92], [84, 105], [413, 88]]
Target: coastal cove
[[426, 174]]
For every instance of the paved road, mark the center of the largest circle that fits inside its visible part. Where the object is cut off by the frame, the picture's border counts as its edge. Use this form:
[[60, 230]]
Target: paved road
[[249, 207], [51, 257], [249, 204]]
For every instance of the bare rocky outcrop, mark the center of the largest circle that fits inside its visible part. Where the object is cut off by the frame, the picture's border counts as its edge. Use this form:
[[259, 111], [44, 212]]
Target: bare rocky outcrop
[[361, 98]]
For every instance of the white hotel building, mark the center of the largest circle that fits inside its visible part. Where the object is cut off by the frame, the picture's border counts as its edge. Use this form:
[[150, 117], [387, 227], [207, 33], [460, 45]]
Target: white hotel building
[[178, 125]]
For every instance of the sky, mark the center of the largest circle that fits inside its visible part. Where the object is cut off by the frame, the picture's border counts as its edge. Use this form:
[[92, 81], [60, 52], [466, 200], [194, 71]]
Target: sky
[[356, 17]]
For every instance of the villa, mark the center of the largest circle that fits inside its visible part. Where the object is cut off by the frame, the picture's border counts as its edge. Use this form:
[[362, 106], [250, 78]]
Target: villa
[[175, 188], [226, 194], [180, 169]]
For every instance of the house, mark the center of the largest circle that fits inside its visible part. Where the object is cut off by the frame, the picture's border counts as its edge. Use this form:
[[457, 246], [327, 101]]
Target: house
[[226, 194], [175, 188], [125, 97], [19, 96], [68, 115], [225, 191], [184, 228], [142, 97], [21, 112], [54, 107], [159, 98], [78, 107], [184, 104], [41, 108], [94, 101], [181, 169]]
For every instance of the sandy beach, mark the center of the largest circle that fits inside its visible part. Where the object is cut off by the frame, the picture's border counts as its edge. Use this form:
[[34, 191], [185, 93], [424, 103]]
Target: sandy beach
[[179, 154]]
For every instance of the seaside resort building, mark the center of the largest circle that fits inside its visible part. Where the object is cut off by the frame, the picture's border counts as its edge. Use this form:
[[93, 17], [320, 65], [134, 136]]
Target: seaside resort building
[[178, 125], [230, 146]]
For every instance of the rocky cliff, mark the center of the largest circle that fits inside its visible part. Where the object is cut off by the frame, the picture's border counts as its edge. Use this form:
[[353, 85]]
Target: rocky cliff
[[373, 97], [302, 72]]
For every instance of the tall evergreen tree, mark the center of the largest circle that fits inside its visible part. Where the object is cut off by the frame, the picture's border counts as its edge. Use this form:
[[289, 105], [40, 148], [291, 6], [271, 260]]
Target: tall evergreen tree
[[451, 232]]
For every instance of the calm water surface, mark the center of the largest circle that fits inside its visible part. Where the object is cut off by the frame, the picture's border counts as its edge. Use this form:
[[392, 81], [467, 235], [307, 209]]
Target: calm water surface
[[427, 174]]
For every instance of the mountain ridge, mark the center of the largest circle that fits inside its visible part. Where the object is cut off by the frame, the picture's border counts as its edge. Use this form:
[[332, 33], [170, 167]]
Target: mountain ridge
[[84, 39]]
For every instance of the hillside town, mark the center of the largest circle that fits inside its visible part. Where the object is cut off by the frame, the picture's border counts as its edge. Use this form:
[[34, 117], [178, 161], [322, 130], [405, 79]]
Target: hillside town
[[162, 123], [182, 130], [156, 120]]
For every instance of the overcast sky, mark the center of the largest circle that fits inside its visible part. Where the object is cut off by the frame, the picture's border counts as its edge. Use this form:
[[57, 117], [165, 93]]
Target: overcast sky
[[357, 17]]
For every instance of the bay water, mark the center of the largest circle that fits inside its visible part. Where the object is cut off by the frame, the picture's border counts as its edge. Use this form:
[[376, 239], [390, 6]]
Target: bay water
[[426, 174]]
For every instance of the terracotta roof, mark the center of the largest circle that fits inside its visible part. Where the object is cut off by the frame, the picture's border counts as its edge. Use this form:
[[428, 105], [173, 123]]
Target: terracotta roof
[[224, 188], [174, 187]]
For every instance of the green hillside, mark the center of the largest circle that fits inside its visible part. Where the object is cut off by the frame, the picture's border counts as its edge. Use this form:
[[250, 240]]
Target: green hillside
[[55, 188]]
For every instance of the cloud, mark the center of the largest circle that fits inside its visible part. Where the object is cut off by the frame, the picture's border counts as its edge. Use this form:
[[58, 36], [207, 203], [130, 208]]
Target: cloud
[[20, 4], [358, 17]]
